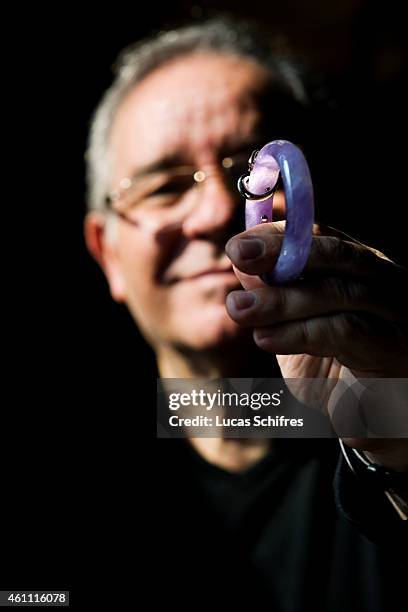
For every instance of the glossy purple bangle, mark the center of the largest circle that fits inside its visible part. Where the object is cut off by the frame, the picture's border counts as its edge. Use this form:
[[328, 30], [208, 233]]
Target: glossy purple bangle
[[283, 158]]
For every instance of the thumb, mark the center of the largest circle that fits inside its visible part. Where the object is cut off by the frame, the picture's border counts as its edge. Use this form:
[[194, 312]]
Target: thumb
[[248, 281]]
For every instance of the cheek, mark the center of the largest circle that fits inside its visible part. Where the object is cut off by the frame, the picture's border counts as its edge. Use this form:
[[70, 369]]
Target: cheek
[[140, 262], [189, 312], [141, 255]]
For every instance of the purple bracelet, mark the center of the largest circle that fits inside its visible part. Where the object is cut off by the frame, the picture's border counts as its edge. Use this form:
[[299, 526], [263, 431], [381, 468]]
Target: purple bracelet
[[283, 158]]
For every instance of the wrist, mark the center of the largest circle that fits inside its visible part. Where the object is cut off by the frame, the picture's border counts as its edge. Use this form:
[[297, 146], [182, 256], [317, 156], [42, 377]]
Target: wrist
[[391, 453], [394, 484], [394, 457]]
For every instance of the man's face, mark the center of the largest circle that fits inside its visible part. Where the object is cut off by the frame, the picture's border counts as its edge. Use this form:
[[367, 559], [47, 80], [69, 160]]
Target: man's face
[[198, 109]]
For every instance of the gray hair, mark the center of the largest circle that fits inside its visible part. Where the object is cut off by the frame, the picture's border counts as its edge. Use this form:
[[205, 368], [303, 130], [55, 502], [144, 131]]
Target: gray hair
[[136, 61]]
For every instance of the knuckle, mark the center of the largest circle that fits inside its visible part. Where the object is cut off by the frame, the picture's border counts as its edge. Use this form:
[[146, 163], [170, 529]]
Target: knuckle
[[346, 292], [271, 305], [335, 290], [352, 292], [336, 248], [332, 286], [346, 325], [307, 333], [278, 302]]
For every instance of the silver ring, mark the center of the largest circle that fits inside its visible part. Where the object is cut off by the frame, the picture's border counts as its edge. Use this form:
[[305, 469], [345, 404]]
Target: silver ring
[[248, 195], [252, 159]]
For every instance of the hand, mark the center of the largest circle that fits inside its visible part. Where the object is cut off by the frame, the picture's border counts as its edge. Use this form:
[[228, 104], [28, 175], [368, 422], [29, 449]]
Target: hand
[[348, 315]]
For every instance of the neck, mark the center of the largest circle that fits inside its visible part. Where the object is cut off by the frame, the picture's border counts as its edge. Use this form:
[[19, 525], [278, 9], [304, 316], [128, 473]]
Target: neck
[[241, 360], [233, 360]]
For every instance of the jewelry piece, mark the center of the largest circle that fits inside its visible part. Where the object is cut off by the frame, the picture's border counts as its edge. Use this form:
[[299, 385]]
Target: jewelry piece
[[281, 158]]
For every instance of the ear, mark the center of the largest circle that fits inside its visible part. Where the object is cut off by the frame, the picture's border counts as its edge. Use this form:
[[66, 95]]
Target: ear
[[104, 250]]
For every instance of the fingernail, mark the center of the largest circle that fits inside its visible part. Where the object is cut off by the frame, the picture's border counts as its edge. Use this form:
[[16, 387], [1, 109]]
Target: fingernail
[[242, 299], [250, 248]]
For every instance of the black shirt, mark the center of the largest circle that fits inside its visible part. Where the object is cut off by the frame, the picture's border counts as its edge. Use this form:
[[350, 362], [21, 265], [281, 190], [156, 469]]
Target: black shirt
[[290, 534]]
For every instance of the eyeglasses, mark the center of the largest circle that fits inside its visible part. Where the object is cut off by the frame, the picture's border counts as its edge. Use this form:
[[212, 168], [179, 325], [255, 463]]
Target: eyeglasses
[[161, 201]]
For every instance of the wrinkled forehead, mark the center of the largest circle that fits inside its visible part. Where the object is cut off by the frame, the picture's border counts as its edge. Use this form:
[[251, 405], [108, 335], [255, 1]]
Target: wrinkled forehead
[[195, 106]]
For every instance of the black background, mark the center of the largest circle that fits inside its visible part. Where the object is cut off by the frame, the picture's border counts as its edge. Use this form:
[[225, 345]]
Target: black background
[[74, 366]]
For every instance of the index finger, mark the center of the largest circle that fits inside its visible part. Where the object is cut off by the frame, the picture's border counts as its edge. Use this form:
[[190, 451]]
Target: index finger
[[332, 251]]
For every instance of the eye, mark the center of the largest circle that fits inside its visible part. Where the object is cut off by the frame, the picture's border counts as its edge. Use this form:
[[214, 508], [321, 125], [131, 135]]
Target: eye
[[176, 186]]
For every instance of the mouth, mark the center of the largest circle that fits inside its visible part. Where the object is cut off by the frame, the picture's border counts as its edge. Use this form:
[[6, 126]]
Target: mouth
[[217, 272], [221, 271]]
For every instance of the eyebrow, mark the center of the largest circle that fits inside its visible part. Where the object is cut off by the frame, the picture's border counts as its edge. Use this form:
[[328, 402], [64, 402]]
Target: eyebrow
[[171, 160], [177, 159]]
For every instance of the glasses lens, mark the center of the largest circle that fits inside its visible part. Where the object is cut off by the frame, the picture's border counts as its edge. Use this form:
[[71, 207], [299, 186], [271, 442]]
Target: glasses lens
[[239, 165], [155, 193], [159, 197]]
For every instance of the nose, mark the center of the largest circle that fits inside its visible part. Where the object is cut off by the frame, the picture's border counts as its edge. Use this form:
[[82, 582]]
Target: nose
[[214, 208]]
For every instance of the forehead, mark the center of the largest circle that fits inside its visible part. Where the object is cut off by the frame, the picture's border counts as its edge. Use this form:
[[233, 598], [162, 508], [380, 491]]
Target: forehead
[[195, 105]]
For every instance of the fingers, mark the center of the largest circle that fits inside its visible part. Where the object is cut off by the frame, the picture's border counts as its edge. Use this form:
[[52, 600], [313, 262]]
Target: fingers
[[257, 250], [249, 281], [349, 303], [263, 305], [333, 336]]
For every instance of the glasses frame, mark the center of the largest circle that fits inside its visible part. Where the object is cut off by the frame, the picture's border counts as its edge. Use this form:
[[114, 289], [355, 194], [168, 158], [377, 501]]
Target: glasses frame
[[198, 175]]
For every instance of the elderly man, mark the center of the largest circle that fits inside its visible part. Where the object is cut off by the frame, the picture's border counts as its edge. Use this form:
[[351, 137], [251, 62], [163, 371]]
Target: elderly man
[[252, 518]]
